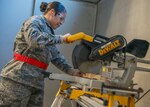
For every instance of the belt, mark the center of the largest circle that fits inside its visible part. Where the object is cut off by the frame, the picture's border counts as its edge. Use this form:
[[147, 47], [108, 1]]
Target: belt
[[31, 61]]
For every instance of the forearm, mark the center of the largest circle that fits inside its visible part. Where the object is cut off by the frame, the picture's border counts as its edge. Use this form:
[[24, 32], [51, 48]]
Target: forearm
[[62, 64]]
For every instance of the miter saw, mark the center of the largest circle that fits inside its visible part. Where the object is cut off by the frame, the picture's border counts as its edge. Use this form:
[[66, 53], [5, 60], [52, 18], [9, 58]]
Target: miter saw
[[100, 58], [97, 55]]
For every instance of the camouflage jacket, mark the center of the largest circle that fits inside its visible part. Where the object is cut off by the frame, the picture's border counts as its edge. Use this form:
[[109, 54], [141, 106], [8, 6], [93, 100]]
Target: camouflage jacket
[[35, 40]]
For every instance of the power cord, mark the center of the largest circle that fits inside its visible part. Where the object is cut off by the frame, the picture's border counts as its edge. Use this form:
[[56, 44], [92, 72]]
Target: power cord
[[143, 95]]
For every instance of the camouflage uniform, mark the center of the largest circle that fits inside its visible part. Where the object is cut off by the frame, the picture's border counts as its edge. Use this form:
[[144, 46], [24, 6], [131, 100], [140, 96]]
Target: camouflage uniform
[[21, 83]]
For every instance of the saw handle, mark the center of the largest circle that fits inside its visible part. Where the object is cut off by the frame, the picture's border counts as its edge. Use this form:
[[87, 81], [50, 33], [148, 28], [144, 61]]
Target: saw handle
[[79, 36]]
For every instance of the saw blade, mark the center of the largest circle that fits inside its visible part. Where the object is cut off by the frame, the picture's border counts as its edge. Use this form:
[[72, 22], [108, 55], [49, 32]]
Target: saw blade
[[81, 61]]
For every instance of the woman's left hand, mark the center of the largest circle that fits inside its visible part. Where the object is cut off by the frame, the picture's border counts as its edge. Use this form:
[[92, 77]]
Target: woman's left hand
[[76, 72]]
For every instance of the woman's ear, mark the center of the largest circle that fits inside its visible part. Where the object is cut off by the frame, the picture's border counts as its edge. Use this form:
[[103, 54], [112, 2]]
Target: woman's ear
[[52, 12]]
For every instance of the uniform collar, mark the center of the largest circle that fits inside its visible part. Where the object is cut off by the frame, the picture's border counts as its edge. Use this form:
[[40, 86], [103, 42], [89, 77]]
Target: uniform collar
[[45, 20]]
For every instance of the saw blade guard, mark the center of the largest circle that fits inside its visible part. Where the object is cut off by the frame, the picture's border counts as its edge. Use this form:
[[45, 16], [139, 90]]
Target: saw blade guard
[[87, 56]]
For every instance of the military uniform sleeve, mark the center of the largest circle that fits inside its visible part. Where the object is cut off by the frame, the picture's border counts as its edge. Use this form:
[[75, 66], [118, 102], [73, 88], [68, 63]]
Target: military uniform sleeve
[[36, 37], [59, 61]]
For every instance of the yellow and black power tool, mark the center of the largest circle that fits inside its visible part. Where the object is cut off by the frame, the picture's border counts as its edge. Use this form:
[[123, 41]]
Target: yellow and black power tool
[[93, 49]]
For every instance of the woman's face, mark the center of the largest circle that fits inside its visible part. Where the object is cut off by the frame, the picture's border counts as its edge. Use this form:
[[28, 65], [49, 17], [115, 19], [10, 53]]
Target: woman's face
[[55, 20]]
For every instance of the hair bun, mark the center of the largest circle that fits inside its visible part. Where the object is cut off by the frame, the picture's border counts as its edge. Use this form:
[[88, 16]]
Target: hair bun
[[43, 6]]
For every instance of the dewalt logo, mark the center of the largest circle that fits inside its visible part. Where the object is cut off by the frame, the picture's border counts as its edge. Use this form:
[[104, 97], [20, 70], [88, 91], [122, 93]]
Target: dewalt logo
[[109, 47]]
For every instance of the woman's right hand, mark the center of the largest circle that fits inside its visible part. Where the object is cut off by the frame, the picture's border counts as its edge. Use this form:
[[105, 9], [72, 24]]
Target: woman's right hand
[[64, 38]]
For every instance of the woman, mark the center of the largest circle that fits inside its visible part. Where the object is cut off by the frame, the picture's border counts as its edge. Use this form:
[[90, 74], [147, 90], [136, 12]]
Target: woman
[[22, 79]]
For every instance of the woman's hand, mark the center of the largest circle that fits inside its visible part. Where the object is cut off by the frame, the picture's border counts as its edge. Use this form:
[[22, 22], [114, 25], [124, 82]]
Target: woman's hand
[[64, 38], [75, 72]]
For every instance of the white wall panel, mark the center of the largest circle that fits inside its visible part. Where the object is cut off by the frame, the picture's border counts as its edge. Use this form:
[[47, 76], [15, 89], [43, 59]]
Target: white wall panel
[[13, 13], [130, 18]]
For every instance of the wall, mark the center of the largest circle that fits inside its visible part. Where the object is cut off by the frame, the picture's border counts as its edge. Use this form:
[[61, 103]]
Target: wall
[[80, 17], [129, 18], [13, 13]]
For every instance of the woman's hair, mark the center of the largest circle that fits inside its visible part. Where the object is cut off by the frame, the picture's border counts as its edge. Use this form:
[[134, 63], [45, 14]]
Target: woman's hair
[[57, 6]]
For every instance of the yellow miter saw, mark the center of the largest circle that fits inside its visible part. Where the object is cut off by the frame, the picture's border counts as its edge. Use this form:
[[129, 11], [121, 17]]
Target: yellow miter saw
[[101, 58], [99, 54]]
